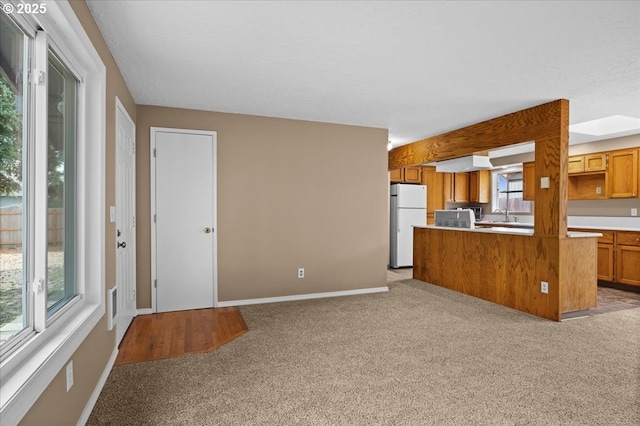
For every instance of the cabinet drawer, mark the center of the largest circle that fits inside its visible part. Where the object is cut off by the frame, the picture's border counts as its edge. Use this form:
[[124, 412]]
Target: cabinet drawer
[[607, 237], [628, 238]]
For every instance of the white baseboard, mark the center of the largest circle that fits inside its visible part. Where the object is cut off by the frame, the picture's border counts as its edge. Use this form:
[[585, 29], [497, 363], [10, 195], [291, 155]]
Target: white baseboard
[[145, 311], [96, 392], [302, 297]]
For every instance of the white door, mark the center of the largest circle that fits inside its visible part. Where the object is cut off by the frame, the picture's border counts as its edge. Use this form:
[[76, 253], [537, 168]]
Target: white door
[[125, 221], [185, 219]]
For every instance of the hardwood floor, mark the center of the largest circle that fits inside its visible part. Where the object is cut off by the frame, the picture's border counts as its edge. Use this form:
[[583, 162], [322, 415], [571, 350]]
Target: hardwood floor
[[171, 334]]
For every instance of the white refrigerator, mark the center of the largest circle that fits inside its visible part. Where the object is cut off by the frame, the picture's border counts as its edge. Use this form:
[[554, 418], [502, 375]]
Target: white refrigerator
[[408, 208]]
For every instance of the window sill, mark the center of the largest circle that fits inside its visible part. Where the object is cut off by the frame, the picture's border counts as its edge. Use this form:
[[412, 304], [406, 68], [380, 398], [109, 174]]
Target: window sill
[[27, 372]]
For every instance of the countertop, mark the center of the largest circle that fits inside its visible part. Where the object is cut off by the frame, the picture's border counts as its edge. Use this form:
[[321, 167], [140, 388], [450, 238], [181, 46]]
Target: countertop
[[511, 231]]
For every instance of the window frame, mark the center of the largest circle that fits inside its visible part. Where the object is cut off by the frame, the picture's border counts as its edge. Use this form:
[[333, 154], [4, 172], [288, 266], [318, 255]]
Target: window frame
[[494, 191], [26, 372]]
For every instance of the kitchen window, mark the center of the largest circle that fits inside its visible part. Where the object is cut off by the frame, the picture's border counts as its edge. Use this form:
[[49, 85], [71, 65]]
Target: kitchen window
[[508, 192], [52, 106]]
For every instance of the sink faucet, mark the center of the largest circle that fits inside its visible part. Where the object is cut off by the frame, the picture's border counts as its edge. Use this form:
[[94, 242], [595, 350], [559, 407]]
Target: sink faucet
[[506, 213]]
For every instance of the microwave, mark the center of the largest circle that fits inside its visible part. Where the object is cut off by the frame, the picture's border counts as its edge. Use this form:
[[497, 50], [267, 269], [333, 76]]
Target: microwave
[[477, 211]]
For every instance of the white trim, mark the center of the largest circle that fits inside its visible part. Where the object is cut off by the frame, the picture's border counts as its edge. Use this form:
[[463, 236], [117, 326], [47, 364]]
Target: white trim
[[152, 160], [27, 372], [309, 296], [145, 311], [96, 392]]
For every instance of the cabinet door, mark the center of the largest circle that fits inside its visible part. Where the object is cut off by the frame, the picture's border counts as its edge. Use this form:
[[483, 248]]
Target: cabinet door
[[447, 187], [435, 195], [605, 262], [461, 188], [412, 174], [529, 181], [595, 162], [396, 175], [623, 174], [576, 164], [628, 265], [480, 186]]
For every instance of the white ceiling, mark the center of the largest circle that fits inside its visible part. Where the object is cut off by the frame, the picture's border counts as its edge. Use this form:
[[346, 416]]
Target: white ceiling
[[417, 68]]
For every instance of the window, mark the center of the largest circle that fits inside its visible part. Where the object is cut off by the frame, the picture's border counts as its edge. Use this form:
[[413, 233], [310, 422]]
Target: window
[[52, 215], [61, 102], [508, 192], [14, 104]]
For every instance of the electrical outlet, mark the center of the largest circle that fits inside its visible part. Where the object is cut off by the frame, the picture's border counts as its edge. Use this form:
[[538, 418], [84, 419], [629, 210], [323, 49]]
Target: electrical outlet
[[544, 287], [300, 272], [598, 190], [634, 212], [69, 375]]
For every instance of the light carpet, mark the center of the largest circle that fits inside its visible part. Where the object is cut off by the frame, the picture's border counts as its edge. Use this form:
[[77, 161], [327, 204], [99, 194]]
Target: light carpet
[[417, 355]]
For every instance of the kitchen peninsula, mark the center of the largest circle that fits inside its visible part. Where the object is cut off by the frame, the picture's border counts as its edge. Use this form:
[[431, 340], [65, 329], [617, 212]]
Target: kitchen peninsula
[[546, 271], [501, 265]]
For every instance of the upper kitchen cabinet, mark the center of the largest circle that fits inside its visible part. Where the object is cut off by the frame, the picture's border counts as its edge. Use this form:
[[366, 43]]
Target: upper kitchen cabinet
[[406, 175], [396, 175], [456, 187], [434, 183], [597, 176], [588, 163], [623, 174], [480, 186]]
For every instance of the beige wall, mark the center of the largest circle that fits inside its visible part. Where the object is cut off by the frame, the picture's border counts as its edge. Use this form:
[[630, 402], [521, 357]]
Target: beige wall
[[56, 406], [290, 194]]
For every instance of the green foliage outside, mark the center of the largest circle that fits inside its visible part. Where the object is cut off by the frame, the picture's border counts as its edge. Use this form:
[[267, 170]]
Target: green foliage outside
[[10, 144]]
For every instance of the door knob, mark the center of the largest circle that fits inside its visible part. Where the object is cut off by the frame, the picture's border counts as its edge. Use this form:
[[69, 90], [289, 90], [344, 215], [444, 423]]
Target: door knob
[[207, 230], [121, 244]]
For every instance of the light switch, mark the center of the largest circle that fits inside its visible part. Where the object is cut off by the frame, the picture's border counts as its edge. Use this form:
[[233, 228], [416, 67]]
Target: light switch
[[112, 214], [544, 182]]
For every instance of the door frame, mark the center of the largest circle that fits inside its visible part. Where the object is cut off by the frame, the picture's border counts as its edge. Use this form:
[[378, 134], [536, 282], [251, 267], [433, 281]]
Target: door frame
[[153, 132], [121, 108]]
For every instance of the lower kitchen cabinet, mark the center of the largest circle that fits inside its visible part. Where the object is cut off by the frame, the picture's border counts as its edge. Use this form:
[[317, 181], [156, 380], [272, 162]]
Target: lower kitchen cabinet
[[628, 258], [618, 256], [605, 262]]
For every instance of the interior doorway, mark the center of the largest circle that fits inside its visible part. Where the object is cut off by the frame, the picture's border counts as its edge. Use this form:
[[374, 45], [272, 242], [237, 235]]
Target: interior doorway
[[125, 220], [184, 234]]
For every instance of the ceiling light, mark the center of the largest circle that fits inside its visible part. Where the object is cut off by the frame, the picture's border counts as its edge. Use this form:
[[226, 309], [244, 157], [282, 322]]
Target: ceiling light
[[606, 126]]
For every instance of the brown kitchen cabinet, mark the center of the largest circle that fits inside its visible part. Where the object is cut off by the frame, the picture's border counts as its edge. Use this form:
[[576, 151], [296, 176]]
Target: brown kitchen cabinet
[[456, 187], [623, 174], [628, 258], [529, 181], [406, 175], [618, 256], [396, 175], [605, 262], [588, 163], [434, 183], [480, 186], [606, 266]]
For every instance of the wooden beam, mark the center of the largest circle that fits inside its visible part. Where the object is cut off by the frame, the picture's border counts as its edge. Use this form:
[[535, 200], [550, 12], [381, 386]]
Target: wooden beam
[[539, 122]]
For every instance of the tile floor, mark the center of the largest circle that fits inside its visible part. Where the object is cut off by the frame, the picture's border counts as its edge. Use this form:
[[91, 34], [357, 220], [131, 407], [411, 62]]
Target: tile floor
[[612, 299], [609, 299]]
